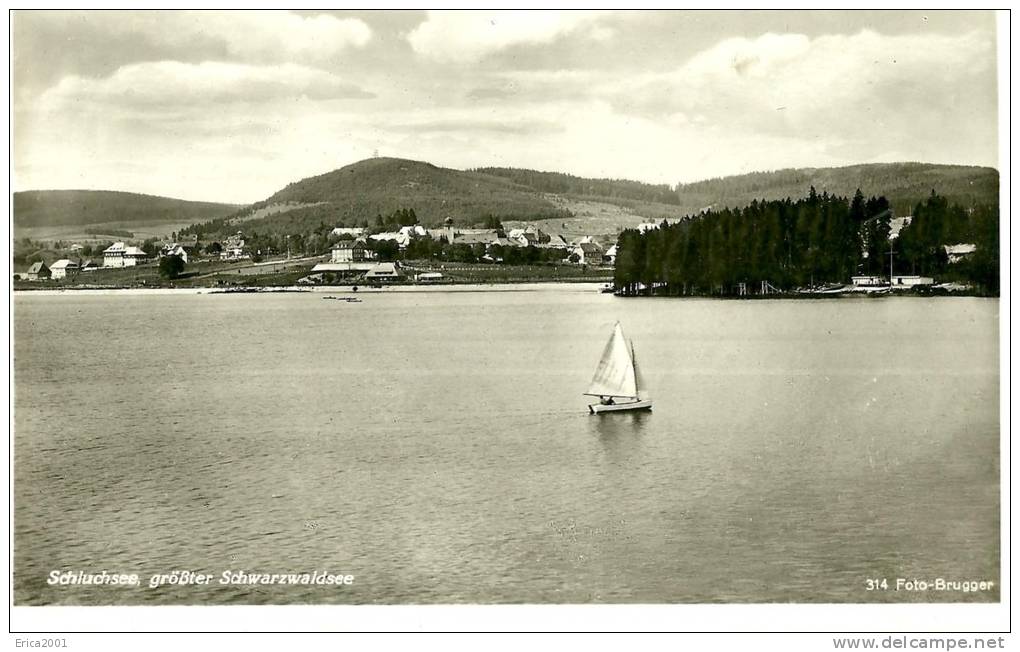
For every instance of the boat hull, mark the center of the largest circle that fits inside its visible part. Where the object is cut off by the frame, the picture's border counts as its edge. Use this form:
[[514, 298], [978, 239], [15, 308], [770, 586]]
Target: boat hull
[[599, 408]]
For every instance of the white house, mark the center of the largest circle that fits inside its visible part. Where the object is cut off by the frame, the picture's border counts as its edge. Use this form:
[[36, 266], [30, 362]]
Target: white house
[[64, 268], [233, 247], [609, 258], [120, 255], [174, 249], [347, 251], [113, 256]]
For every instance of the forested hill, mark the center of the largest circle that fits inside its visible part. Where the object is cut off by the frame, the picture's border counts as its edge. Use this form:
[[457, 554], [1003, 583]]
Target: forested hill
[[380, 186], [903, 184], [363, 192], [820, 238], [567, 184], [80, 207]]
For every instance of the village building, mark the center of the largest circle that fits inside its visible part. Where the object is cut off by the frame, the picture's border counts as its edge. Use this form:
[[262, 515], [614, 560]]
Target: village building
[[910, 280], [415, 231], [558, 242], [355, 231], [540, 236], [188, 242], [429, 277], [233, 247], [345, 269], [120, 255], [90, 266], [465, 236], [347, 251], [38, 272], [64, 268], [609, 258], [384, 272], [402, 239], [958, 252], [486, 237], [896, 225], [588, 253], [174, 250], [867, 280]]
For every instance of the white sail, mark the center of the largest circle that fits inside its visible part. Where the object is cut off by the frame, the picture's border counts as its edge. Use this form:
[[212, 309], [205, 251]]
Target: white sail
[[615, 374]]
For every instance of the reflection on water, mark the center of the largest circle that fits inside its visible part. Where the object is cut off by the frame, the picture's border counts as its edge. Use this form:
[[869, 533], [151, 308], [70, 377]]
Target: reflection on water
[[438, 447]]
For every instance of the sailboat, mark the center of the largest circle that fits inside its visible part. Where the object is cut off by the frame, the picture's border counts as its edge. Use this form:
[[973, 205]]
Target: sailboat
[[617, 380]]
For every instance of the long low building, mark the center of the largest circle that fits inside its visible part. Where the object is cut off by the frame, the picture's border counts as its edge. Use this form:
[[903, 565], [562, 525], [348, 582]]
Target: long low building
[[343, 267], [372, 271], [910, 280]]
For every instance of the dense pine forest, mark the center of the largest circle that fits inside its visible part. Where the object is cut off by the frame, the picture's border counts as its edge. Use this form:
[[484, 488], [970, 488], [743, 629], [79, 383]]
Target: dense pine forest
[[819, 239]]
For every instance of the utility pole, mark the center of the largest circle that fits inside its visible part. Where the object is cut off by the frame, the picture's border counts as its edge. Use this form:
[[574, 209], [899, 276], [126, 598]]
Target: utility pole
[[892, 252]]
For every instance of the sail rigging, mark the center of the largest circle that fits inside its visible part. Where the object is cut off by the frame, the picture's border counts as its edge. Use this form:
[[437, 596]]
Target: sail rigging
[[616, 374]]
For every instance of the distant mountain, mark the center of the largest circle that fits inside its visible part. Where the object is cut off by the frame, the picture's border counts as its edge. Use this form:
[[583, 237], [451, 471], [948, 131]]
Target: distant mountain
[[357, 193], [380, 186], [34, 208], [903, 184]]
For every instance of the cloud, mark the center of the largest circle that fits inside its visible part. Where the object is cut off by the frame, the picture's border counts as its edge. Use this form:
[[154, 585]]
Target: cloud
[[176, 84], [790, 82], [471, 35], [274, 35], [250, 36], [516, 127]]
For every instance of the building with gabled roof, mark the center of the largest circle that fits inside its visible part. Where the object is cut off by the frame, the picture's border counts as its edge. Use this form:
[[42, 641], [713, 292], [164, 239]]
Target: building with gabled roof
[[121, 255], [348, 251], [64, 268], [38, 271], [384, 272]]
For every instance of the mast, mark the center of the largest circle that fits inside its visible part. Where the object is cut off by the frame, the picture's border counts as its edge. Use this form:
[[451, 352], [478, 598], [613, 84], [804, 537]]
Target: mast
[[639, 382]]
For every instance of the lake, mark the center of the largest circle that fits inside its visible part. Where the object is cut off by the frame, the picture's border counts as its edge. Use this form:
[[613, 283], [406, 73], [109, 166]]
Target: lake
[[436, 446]]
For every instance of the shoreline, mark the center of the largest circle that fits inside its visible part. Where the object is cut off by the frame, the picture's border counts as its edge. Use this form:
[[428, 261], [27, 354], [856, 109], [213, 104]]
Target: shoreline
[[533, 286], [461, 288]]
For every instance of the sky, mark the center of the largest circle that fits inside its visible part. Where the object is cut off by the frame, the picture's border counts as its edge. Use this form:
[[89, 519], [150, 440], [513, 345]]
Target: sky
[[233, 106]]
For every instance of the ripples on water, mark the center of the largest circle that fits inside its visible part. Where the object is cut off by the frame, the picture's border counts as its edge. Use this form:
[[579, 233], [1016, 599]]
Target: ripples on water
[[437, 447]]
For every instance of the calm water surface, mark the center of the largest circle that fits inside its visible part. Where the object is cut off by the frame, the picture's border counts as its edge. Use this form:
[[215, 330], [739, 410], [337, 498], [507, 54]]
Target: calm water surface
[[436, 446]]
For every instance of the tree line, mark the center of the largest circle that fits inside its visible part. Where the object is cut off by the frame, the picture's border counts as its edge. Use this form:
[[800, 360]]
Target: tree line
[[817, 239]]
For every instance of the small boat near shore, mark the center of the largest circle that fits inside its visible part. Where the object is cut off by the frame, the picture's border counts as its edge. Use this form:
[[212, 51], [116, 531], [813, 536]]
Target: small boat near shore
[[347, 299], [617, 381]]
